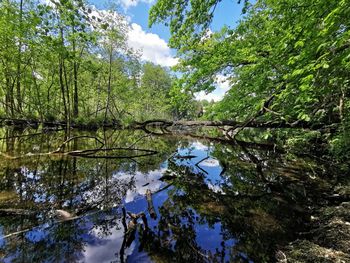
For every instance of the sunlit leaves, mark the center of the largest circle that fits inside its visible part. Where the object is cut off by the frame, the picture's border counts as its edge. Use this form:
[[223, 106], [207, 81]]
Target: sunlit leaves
[[297, 51]]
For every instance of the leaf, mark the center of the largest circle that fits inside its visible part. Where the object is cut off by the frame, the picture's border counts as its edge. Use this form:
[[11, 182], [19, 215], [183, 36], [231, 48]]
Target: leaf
[[299, 43], [304, 116], [309, 78], [297, 72], [304, 87], [104, 26]]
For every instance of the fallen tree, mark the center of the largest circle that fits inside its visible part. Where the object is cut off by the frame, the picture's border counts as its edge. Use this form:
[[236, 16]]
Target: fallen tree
[[165, 124], [100, 152]]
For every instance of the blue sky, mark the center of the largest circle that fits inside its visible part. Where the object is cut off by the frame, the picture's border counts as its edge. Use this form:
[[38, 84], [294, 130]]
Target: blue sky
[[152, 42]]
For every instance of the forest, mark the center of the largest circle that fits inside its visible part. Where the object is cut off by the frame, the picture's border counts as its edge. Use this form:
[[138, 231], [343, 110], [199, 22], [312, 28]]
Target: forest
[[66, 67], [69, 62]]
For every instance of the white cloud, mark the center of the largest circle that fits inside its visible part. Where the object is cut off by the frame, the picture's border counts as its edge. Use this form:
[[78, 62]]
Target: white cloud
[[209, 97], [207, 35], [105, 250], [223, 83], [154, 49], [222, 86], [47, 2], [210, 163], [129, 3], [99, 17], [142, 182], [199, 146]]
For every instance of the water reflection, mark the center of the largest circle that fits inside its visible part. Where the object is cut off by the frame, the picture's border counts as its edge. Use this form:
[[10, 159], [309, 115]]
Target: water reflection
[[211, 202]]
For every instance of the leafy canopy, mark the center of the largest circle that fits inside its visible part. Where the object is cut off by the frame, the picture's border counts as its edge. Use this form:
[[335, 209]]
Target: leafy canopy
[[294, 51]]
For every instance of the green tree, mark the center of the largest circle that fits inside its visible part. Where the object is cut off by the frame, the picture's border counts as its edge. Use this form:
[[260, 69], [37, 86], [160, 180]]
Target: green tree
[[287, 61], [154, 91]]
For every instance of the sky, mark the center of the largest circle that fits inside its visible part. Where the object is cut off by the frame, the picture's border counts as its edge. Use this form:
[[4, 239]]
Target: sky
[[153, 42]]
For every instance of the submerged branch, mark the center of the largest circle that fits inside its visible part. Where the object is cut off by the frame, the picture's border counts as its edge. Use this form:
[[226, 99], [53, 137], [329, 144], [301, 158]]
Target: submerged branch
[[89, 153], [151, 210], [59, 149], [17, 212]]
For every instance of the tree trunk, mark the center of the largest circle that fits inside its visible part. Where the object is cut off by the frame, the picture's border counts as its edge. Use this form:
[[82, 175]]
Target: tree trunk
[[19, 59], [75, 80], [63, 88], [109, 82]]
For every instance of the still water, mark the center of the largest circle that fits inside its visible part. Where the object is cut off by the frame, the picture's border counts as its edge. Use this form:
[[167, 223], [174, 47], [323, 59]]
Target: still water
[[143, 198]]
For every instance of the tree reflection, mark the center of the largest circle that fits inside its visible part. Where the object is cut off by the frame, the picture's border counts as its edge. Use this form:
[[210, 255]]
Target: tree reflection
[[252, 210], [191, 202]]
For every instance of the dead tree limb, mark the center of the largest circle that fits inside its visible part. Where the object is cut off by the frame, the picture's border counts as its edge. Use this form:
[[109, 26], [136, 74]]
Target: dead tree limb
[[250, 123], [151, 209], [200, 168], [59, 149], [124, 220], [139, 139], [89, 153], [146, 152], [17, 212]]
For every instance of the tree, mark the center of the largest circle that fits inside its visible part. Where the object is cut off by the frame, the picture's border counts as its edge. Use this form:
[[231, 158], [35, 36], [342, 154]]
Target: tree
[[154, 91], [287, 61], [63, 60], [182, 102]]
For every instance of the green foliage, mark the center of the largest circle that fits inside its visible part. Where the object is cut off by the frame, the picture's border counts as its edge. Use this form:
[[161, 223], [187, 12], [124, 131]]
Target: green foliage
[[274, 50], [340, 143], [303, 142], [294, 52], [182, 102], [153, 95], [70, 61]]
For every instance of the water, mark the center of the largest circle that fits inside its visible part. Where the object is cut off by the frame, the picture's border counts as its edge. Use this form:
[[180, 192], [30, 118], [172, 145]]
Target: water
[[213, 202]]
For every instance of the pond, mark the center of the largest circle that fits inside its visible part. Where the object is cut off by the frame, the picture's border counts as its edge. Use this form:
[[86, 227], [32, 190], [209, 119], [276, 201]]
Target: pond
[[128, 196]]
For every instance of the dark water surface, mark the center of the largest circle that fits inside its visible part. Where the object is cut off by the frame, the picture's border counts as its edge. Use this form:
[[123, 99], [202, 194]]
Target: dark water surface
[[212, 202]]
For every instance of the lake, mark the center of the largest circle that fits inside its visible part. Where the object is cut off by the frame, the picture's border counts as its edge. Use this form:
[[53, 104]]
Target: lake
[[129, 196]]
